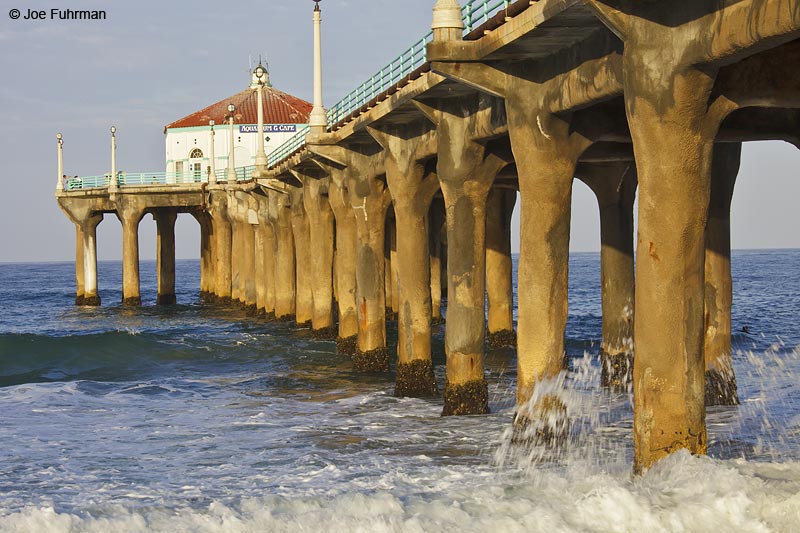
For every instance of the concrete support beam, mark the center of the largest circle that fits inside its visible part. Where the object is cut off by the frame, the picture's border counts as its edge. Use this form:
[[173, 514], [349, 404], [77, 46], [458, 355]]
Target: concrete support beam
[[436, 223], [165, 255], [388, 286], [207, 253], [546, 151], [248, 272], [720, 31], [370, 203], [614, 185], [265, 259], [466, 170], [267, 231], [321, 229], [572, 78], [345, 280], [130, 216], [304, 303], [673, 129], [79, 271], [223, 246], [237, 258], [391, 234], [281, 220], [369, 199], [412, 185], [89, 256], [720, 388], [499, 288]]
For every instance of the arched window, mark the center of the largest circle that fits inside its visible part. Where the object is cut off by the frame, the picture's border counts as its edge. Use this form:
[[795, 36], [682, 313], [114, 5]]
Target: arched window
[[196, 166]]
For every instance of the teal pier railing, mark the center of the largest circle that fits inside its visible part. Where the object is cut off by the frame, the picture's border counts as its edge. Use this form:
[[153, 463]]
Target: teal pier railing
[[140, 179], [143, 179], [87, 182], [473, 13], [294, 143]]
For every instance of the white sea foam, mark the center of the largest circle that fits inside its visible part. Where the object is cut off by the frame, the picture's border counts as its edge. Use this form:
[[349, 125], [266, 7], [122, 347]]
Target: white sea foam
[[682, 493]]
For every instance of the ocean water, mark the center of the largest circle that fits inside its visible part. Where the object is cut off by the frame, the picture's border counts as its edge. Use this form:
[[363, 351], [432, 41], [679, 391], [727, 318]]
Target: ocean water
[[195, 418]]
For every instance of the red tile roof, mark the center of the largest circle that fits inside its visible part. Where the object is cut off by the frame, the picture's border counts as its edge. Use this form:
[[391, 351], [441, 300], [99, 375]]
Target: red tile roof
[[279, 108]]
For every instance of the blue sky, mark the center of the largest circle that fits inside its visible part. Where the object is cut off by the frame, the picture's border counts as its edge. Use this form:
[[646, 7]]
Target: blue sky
[[152, 62]]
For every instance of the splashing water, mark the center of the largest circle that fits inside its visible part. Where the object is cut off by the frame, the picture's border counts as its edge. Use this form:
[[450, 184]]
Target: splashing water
[[199, 419]]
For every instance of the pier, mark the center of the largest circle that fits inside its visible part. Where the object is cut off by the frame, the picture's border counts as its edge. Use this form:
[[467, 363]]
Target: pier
[[404, 189]]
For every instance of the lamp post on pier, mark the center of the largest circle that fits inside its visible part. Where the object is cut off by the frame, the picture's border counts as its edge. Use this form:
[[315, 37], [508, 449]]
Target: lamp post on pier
[[60, 182], [231, 162], [112, 184], [261, 156], [318, 121], [212, 167]]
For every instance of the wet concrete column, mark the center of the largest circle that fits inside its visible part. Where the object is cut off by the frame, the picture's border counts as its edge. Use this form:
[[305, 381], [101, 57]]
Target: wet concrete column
[[466, 391], [412, 184], [304, 303], [130, 218], [237, 258], [345, 266], [499, 208], [248, 272], [387, 267], [720, 388], [466, 170], [614, 185], [79, 270], [673, 139], [206, 253], [280, 217], [436, 220], [89, 254], [369, 199], [260, 275], [223, 245], [165, 254], [268, 259], [395, 290], [370, 208], [320, 220], [264, 258], [546, 153]]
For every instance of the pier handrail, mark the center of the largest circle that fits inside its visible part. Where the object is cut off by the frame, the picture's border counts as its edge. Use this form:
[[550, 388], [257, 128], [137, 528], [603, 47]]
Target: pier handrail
[[472, 13], [294, 143], [140, 179]]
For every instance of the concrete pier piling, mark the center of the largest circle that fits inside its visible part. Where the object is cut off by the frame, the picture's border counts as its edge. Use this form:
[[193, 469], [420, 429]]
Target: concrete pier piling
[[384, 206], [285, 281], [265, 259], [370, 199], [321, 242], [165, 255], [130, 217], [466, 170], [614, 186], [412, 183], [223, 245], [345, 280], [720, 377], [80, 290], [499, 288], [207, 254], [89, 256], [301, 232], [436, 224]]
